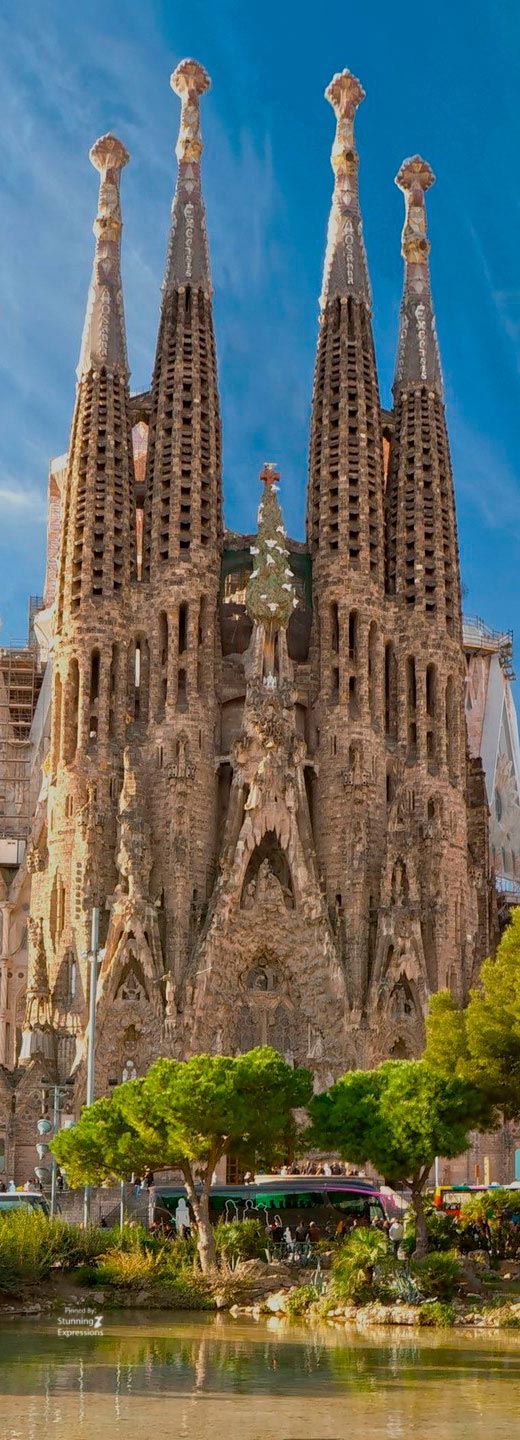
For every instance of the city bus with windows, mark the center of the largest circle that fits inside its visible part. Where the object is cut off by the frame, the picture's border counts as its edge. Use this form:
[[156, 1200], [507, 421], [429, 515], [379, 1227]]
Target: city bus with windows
[[452, 1198], [325, 1199]]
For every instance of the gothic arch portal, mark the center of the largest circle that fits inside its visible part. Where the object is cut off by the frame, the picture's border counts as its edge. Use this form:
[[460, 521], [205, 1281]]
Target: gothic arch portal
[[268, 872]]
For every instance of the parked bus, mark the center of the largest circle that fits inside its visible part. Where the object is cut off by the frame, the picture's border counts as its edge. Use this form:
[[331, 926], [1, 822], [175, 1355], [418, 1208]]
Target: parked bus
[[452, 1198], [23, 1200], [325, 1199]]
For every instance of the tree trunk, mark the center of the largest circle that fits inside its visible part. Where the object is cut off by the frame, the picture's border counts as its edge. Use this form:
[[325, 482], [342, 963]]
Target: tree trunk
[[421, 1229], [205, 1236]]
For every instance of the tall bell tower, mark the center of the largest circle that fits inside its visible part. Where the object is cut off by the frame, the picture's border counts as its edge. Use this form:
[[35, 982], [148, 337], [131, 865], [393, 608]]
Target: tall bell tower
[[346, 540]]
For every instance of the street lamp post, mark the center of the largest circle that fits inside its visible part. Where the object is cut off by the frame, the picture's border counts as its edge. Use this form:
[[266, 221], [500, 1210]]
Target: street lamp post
[[113, 1084], [54, 1165], [91, 1059], [45, 1127]]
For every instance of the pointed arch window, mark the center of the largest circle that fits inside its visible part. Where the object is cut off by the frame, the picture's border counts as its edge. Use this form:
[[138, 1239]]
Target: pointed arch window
[[56, 722], [112, 690], [71, 712], [163, 665], [452, 738], [431, 717], [372, 673], [390, 692], [334, 628], [411, 707]]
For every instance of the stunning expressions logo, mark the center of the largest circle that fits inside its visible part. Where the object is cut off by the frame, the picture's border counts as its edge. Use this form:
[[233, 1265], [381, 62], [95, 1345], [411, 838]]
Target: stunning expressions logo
[[80, 1320]]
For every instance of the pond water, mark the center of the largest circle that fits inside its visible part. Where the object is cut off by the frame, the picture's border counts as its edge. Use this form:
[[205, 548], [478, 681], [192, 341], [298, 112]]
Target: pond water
[[158, 1377]]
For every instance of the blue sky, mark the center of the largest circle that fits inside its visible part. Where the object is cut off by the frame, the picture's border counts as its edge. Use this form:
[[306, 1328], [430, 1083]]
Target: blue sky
[[441, 79]]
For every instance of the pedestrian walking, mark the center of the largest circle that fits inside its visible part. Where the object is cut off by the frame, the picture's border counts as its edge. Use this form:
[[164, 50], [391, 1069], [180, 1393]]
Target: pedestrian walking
[[396, 1235]]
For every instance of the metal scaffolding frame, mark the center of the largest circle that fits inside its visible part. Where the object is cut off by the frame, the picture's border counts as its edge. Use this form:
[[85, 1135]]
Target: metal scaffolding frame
[[479, 636], [21, 675]]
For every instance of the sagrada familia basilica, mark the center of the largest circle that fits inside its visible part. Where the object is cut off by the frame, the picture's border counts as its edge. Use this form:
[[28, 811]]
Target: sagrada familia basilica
[[258, 767]]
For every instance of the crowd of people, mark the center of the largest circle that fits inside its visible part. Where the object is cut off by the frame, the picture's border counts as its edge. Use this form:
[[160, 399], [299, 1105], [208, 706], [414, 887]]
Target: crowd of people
[[31, 1186], [283, 1236], [318, 1167]]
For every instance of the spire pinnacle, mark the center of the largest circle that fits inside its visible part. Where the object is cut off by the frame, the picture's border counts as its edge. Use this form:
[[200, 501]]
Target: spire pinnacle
[[189, 81], [345, 270], [270, 595], [418, 360], [188, 258], [104, 337]]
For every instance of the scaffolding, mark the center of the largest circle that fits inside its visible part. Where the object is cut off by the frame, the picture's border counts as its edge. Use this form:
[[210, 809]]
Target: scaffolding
[[21, 677], [479, 636]]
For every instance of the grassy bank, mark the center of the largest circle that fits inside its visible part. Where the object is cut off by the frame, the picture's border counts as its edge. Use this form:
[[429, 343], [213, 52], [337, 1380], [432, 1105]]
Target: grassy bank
[[358, 1282], [35, 1251], [131, 1266]]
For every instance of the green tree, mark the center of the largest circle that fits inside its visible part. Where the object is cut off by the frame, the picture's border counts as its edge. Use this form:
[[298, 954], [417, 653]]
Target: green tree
[[399, 1117], [186, 1115], [103, 1145], [446, 1040], [482, 1042]]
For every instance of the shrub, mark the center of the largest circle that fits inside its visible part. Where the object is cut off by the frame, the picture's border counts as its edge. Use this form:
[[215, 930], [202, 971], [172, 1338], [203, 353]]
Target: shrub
[[354, 1265], [187, 1292], [241, 1240], [24, 1249], [438, 1276], [132, 1237], [31, 1246], [179, 1256], [490, 1219], [442, 1230], [82, 1246], [71, 1245], [438, 1313], [299, 1300], [87, 1275], [127, 1269]]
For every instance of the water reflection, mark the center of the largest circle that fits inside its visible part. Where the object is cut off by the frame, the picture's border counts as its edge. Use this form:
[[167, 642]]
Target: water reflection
[[147, 1375]]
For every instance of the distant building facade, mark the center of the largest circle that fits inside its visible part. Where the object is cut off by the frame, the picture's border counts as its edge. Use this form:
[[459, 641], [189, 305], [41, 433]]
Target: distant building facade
[[493, 734]]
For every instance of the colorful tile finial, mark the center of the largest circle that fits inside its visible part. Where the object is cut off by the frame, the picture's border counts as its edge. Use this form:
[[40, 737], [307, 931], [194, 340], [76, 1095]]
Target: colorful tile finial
[[345, 271], [418, 359]]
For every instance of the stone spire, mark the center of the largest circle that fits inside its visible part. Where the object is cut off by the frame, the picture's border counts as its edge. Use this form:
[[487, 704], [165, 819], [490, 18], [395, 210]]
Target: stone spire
[[345, 270], [422, 563], [97, 556], [183, 486], [344, 503], [104, 338], [418, 360], [188, 257]]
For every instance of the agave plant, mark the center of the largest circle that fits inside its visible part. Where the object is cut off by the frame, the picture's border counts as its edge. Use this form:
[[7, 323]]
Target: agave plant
[[406, 1288]]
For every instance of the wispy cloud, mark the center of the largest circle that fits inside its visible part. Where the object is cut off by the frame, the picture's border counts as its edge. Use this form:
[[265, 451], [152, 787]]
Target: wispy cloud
[[30, 501], [484, 476]]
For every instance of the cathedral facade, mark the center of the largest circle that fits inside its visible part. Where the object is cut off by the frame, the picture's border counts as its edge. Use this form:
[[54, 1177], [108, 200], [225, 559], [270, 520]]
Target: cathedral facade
[[258, 767]]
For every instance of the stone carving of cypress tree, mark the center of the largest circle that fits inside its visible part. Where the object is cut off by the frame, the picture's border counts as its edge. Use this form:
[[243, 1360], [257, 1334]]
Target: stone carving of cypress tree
[[270, 596]]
